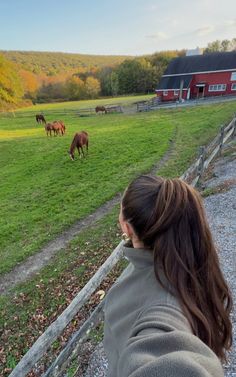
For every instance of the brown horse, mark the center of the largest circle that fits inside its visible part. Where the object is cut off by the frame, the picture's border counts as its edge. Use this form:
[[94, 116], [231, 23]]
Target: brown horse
[[101, 109], [49, 127], [40, 118], [78, 141], [59, 127]]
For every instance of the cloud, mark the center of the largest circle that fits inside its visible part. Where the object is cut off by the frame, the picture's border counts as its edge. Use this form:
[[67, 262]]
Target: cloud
[[152, 7], [159, 36], [230, 23], [205, 30]]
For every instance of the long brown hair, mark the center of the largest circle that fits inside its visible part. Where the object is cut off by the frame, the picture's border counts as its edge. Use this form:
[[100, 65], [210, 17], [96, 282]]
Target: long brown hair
[[167, 215]]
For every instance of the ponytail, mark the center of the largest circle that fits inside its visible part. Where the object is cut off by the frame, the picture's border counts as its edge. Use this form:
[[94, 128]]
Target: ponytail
[[167, 215]]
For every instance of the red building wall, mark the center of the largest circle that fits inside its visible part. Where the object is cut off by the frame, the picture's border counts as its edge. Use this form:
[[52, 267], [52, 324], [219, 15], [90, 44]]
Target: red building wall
[[207, 79], [212, 79], [171, 96]]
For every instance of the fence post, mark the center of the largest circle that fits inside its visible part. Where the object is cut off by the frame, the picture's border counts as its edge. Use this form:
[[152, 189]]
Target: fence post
[[234, 131], [202, 155], [221, 139]]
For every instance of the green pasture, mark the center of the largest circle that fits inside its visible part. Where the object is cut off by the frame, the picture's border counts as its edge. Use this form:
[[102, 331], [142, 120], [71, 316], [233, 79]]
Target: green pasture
[[43, 192], [83, 104]]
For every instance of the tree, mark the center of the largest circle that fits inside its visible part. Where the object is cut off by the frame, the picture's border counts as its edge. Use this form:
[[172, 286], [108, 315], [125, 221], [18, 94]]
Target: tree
[[29, 82], [75, 88], [136, 76], [92, 87], [128, 76], [114, 83], [11, 89], [225, 45], [221, 46], [106, 81]]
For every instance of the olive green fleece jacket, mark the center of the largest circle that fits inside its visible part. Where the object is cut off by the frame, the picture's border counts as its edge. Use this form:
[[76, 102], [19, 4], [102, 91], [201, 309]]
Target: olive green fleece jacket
[[146, 333]]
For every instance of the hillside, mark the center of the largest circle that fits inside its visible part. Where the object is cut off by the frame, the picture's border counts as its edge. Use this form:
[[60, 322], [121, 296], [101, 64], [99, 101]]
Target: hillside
[[52, 63]]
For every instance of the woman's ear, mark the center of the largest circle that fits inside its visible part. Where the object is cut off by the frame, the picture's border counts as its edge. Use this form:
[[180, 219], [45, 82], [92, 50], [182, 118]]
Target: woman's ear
[[126, 227]]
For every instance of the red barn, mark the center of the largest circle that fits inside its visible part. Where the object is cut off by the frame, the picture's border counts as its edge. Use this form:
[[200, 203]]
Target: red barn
[[198, 76]]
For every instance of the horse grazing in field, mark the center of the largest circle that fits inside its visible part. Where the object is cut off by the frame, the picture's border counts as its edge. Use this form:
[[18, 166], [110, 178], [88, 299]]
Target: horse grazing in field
[[59, 127], [40, 118], [49, 128], [101, 109], [78, 141]]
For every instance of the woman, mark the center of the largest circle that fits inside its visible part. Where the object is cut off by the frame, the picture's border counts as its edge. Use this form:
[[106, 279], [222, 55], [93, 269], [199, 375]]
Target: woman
[[168, 313]]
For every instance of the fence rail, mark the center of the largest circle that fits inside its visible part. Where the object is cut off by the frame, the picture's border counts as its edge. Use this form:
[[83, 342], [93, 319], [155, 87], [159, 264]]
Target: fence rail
[[194, 173], [116, 108], [155, 102], [193, 176]]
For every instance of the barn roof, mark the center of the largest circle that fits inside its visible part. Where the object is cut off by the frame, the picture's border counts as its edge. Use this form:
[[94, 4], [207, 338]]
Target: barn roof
[[173, 82], [182, 68], [202, 63]]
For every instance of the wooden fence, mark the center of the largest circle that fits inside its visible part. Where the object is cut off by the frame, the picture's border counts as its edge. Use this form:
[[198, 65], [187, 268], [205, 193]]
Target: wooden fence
[[193, 176], [57, 113], [155, 103], [148, 105], [114, 109], [195, 172]]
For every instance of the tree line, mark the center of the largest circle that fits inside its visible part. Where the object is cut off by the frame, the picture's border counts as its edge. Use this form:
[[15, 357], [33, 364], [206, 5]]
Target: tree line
[[19, 81], [49, 77]]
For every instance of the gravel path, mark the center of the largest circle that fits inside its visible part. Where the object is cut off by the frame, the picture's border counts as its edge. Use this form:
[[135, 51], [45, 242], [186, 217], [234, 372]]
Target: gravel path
[[221, 212]]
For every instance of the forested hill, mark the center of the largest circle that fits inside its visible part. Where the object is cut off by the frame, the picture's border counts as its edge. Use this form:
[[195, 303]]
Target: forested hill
[[28, 76], [52, 63], [52, 76]]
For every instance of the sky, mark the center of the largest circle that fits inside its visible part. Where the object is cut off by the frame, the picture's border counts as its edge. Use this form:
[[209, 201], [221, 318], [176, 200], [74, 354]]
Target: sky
[[114, 27]]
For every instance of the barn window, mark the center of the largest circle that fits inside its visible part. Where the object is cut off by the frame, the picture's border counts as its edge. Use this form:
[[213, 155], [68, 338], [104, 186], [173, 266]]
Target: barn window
[[233, 76], [217, 88], [165, 93], [176, 92], [233, 86]]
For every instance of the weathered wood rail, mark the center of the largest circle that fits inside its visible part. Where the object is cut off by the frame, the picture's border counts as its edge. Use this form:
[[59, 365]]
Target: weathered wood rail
[[193, 176], [194, 173], [148, 105], [116, 108]]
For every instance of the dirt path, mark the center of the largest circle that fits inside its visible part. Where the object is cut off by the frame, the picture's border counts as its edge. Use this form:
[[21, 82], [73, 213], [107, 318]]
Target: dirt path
[[37, 261]]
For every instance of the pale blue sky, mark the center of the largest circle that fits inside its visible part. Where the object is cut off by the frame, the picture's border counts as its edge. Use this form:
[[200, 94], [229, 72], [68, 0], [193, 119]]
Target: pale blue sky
[[130, 27]]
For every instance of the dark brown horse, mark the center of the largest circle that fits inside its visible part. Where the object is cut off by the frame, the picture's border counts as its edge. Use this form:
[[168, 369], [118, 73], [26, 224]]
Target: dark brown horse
[[101, 109], [78, 141], [49, 128], [40, 118]]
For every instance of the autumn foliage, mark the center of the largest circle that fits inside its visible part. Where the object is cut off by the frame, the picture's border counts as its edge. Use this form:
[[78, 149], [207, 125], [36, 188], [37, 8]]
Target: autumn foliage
[[49, 77]]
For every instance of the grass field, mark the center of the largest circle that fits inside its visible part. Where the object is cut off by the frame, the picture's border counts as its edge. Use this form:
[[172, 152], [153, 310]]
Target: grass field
[[83, 104], [43, 192]]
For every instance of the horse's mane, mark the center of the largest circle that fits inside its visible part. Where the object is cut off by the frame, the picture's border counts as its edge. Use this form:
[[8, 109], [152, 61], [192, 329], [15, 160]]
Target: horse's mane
[[73, 144]]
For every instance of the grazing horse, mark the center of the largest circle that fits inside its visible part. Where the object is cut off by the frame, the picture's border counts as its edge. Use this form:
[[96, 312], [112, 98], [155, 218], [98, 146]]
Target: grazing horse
[[40, 118], [56, 127], [59, 127], [49, 127], [101, 109], [79, 140]]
